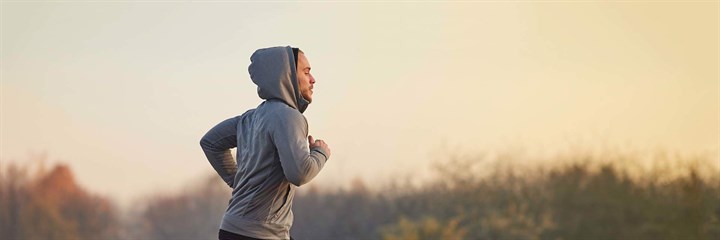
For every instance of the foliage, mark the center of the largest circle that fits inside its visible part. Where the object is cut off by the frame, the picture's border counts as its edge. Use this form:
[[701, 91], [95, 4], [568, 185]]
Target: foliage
[[192, 214], [587, 198], [51, 205], [581, 197]]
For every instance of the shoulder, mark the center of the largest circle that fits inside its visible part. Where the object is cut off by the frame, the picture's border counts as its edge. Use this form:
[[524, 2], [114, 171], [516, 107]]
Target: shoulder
[[246, 114], [245, 117]]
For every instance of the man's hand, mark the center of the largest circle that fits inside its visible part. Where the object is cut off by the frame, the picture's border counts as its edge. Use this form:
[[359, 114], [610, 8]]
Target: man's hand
[[319, 143]]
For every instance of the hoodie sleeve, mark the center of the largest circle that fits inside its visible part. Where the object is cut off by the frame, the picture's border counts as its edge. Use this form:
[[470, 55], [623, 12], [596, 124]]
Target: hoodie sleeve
[[217, 144], [289, 135]]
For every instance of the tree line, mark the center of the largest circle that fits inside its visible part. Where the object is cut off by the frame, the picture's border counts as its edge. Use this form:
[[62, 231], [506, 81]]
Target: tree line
[[586, 198]]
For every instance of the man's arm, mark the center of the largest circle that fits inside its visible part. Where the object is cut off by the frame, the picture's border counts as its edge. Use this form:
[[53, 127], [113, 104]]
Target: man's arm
[[300, 163], [217, 144]]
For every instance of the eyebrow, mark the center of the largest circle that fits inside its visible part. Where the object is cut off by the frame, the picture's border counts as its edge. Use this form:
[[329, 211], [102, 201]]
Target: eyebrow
[[308, 68]]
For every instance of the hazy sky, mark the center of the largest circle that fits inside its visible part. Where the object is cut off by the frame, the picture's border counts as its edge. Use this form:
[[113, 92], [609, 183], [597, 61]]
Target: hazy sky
[[123, 91]]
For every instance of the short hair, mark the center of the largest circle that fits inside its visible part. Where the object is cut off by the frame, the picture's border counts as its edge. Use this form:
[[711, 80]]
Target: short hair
[[296, 51]]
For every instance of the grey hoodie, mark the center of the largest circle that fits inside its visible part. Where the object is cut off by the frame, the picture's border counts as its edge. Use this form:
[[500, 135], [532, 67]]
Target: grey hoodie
[[273, 155]]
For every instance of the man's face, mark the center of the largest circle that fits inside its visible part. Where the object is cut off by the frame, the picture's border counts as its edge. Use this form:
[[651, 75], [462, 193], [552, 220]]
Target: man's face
[[305, 79]]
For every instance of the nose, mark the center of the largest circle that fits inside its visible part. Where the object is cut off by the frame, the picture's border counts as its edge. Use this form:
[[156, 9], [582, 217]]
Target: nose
[[312, 79]]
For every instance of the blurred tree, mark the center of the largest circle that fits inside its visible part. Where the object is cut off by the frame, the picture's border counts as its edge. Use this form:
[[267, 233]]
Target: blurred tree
[[51, 205], [585, 199], [428, 228], [193, 214]]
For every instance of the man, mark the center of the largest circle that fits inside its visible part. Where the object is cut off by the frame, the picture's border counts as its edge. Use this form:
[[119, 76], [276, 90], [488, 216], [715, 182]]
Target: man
[[274, 155]]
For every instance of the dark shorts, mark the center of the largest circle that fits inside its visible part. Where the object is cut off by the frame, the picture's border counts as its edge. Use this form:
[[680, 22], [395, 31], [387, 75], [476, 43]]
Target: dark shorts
[[225, 235]]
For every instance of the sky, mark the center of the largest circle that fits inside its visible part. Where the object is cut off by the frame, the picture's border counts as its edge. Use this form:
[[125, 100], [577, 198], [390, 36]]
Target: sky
[[123, 91]]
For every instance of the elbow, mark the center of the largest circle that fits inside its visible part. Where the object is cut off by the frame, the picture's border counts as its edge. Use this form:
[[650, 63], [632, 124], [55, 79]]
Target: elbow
[[297, 179], [302, 174], [205, 143]]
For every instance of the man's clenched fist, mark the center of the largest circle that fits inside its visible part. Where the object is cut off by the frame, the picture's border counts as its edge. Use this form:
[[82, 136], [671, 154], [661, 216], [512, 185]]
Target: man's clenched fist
[[319, 143]]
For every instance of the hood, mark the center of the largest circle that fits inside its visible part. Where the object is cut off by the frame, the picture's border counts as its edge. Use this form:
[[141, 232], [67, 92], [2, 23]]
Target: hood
[[273, 70]]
